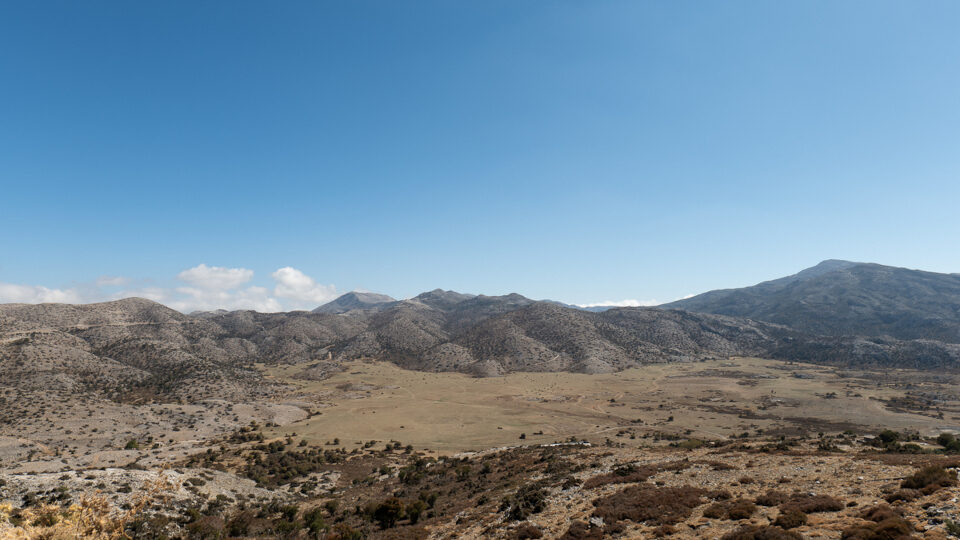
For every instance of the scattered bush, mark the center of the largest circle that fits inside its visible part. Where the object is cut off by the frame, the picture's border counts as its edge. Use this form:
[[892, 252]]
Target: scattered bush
[[930, 479], [645, 504], [527, 531], [529, 499], [879, 513], [579, 530], [888, 436], [630, 474], [949, 442], [715, 511], [737, 509], [741, 509], [906, 495], [664, 530], [891, 529], [207, 527], [415, 509], [772, 498], [887, 523], [752, 532], [809, 504], [790, 519]]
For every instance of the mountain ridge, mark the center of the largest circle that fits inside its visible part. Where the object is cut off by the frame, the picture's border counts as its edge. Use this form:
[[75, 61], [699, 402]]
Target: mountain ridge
[[355, 300], [136, 346], [838, 298]]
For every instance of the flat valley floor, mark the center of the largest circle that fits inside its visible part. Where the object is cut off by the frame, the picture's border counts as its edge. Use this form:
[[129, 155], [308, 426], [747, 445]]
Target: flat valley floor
[[449, 412]]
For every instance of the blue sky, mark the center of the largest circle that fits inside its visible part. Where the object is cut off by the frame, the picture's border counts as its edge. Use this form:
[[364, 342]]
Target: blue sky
[[579, 151]]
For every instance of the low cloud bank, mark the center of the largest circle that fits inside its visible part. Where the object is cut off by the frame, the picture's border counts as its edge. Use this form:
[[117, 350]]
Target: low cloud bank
[[204, 288], [622, 303]]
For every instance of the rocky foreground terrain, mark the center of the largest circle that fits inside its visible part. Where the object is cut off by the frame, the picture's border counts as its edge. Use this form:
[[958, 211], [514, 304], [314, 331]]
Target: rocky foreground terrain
[[245, 486]]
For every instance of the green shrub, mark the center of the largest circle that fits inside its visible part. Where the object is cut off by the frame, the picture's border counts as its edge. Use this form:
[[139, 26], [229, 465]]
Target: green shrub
[[388, 512], [414, 510]]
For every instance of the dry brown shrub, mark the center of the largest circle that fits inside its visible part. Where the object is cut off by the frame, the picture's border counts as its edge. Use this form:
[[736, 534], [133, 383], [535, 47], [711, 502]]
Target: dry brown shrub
[[930, 479], [888, 524], [879, 513], [631, 474], [752, 532], [740, 509], [790, 519], [715, 511], [579, 530], [772, 498], [91, 519], [663, 530], [646, 504], [527, 531], [736, 509], [809, 504], [904, 495], [719, 495]]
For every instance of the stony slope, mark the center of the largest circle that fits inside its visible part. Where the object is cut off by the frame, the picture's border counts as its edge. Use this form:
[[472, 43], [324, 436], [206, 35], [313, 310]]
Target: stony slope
[[841, 298], [494, 335], [124, 348]]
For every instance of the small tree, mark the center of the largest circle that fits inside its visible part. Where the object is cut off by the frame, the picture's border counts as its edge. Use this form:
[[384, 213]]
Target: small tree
[[888, 436], [414, 510], [314, 521], [388, 512]]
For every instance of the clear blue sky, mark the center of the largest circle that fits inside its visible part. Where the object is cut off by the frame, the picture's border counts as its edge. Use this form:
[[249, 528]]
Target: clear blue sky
[[581, 151]]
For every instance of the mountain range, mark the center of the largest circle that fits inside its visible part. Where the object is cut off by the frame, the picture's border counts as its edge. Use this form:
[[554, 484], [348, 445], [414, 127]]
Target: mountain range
[[838, 313], [841, 298]]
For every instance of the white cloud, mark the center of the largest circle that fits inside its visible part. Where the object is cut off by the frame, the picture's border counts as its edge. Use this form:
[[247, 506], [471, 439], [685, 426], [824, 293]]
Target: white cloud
[[301, 288], [215, 277], [33, 294], [190, 299], [205, 288], [632, 303], [623, 303]]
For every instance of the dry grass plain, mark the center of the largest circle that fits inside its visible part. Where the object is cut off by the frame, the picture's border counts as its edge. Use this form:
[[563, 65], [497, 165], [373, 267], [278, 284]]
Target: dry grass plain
[[449, 412]]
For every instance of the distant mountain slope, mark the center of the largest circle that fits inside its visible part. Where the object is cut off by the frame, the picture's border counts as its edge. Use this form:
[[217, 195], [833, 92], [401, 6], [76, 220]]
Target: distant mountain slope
[[127, 347], [841, 298], [135, 348], [497, 335], [405, 330], [356, 300], [441, 299]]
